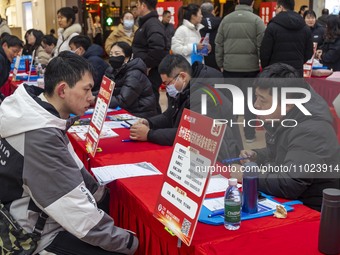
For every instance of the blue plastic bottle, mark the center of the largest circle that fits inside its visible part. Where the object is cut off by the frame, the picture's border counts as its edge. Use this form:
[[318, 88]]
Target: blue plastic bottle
[[232, 206]]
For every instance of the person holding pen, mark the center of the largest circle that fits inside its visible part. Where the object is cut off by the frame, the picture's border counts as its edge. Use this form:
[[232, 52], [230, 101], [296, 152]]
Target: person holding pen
[[298, 162], [176, 74]]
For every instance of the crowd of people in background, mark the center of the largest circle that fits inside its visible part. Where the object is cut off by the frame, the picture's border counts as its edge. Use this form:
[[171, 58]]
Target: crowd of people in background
[[141, 54]]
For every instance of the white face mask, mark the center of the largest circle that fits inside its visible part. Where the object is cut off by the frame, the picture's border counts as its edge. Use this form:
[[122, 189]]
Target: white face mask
[[172, 91], [128, 23]]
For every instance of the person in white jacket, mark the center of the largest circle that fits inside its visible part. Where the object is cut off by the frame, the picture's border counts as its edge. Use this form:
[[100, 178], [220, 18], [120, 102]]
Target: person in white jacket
[[187, 34], [67, 28]]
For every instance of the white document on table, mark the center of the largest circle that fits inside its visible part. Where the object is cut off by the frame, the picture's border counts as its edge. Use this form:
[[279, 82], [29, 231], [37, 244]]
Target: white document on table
[[218, 183], [107, 174]]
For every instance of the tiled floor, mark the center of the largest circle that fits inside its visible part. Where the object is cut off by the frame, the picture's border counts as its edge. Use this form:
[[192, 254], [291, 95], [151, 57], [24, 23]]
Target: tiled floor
[[258, 143]]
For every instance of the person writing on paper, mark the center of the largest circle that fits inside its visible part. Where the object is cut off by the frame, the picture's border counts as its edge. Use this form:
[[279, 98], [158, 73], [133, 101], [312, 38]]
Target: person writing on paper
[[40, 170], [176, 74], [11, 46], [294, 151]]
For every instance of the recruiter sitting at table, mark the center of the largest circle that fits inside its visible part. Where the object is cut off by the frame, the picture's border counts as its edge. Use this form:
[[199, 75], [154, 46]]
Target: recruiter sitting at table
[[176, 74], [11, 46], [301, 160], [40, 170]]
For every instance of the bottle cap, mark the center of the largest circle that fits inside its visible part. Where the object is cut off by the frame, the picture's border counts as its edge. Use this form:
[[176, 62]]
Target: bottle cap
[[332, 194], [232, 182]]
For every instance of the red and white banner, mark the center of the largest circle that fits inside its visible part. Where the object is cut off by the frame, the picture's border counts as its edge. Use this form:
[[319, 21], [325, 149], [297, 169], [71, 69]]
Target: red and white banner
[[196, 147], [99, 115]]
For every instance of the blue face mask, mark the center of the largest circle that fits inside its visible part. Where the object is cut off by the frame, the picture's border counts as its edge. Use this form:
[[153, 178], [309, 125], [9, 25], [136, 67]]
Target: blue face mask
[[128, 24], [172, 91]]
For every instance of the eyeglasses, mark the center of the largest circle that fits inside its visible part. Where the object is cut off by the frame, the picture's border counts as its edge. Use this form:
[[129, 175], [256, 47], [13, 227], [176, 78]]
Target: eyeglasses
[[167, 84]]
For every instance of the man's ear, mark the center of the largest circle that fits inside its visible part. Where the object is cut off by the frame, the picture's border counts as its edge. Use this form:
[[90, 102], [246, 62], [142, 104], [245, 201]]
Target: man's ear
[[60, 89]]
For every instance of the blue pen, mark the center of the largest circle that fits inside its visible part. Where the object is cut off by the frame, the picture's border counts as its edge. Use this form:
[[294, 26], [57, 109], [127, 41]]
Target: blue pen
[[226, 161], [126, 126], [216, 213], [127, 140]]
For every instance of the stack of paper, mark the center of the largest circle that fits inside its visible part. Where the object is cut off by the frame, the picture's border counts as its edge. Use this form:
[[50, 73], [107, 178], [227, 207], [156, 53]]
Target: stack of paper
[[107, 174]]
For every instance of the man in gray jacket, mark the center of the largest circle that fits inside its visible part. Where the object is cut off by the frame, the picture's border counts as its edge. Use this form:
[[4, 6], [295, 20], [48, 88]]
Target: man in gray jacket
[[237, 51], [40, 171]]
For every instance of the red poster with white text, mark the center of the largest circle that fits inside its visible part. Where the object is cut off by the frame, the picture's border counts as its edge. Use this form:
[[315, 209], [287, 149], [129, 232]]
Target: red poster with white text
[[196, 146], [99, 115], [172, 7]]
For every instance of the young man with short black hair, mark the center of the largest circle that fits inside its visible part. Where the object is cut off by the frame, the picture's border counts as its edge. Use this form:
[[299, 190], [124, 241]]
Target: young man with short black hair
[[40, 170]]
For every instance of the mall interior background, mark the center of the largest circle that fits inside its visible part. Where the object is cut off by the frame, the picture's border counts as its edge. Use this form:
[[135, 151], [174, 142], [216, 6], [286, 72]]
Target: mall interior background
[[41, 14]]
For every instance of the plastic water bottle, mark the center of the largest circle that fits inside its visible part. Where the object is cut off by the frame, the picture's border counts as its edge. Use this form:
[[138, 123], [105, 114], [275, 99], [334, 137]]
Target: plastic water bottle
[[232, 206], [205, 51]]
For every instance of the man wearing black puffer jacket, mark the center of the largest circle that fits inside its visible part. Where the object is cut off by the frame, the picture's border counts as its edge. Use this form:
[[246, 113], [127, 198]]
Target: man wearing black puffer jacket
[[190, 83], [287, 38], [149, 42]]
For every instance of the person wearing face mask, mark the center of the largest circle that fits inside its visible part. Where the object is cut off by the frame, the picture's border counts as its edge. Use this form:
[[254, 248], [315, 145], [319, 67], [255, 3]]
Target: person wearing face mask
[[185, 82], [124, 32], [133, 90], [93, 53]]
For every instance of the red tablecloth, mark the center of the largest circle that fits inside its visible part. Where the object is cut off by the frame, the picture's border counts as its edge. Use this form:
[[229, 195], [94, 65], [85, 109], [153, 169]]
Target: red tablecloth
[[328, 89], [133, 201]]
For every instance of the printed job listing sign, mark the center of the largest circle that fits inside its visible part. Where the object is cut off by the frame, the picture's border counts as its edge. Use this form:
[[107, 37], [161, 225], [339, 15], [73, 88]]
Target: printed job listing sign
[[99, 115], [196, 147]]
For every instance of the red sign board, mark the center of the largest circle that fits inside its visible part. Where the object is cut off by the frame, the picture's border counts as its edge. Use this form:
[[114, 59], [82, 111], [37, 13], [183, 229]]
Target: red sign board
[[196, 147], [172, 7], [267, 11], [99, 115]]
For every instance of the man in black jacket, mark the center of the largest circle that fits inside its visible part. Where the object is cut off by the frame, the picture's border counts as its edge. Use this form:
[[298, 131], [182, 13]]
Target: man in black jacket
[[11, 47], [287, 38], [211, 24], [190, 83], [302, 156], [149, 42]]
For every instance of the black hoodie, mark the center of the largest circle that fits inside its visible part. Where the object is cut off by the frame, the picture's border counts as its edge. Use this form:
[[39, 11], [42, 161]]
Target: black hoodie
[[288, 40]]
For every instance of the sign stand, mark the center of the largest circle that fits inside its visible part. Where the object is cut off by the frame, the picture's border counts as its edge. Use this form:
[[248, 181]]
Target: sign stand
[[196, 146], [99, 115]]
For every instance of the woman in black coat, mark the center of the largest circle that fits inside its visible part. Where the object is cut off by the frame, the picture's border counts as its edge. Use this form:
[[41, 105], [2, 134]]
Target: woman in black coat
[[133, 90], [330, 53]]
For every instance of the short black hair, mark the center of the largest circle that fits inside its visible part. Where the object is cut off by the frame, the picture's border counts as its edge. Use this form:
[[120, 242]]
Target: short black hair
[[81, 41], [171, 63], [49, 40], [287, 4], [309, 12], [150, 4], [127, 49], [302, 8], [69, 13], [12, 41], [246, 2], [325, 11], [280, 75], [66, 67], [166, 12]]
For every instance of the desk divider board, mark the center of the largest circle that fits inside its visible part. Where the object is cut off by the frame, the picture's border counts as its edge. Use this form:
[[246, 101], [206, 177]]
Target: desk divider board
[[99, 115], [196, 147]]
